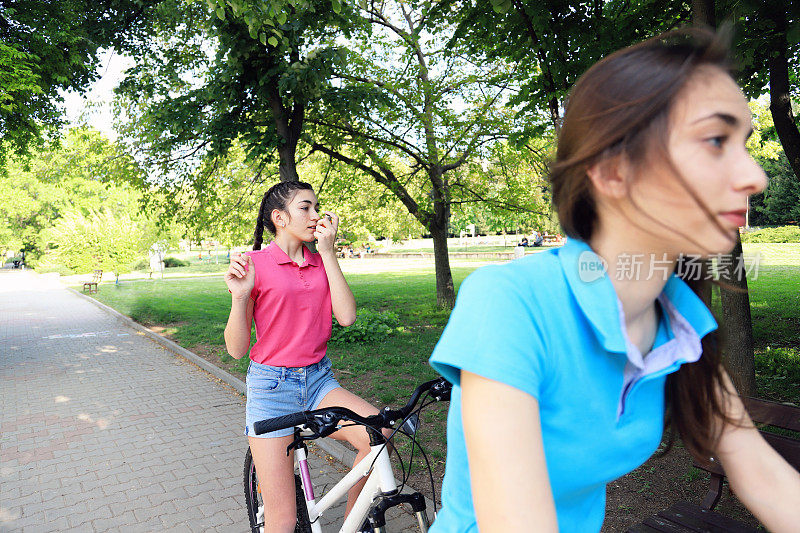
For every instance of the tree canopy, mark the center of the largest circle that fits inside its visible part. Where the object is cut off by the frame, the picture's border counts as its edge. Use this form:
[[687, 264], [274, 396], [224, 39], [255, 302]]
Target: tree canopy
[[83, 185], [243, 71], [50, 47]]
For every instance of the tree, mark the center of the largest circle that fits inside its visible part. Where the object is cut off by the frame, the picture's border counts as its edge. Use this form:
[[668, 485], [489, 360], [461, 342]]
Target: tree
[[224, 208], [100, 240], [552, 42], [50, 47], [76, 175], [408, 96], [780, 202], [736, 324], [768, 50], [245, 70], [507, 191], [367, 209]]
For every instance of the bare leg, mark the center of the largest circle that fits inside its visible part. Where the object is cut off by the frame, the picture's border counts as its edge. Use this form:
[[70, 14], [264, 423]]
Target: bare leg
[[355, 435], [275, 471]]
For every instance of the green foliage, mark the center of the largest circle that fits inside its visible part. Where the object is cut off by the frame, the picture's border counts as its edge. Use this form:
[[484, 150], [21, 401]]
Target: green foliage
[[780, 234], [366, 208], [47, 48], [209, 74], [267, 22], [142, 264], [756, 34], [370, 327], [781, 363], [513, 183], [780, 202], [223, 208], [76, 176], [99, 240], [170, 262], [550, 43], [763, 143]]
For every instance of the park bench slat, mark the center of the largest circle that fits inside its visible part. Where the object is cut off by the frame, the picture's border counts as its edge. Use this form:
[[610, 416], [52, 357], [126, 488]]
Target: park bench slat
[[788, 447], [698, 519], [773, 413], [643, 528], [664, 525]]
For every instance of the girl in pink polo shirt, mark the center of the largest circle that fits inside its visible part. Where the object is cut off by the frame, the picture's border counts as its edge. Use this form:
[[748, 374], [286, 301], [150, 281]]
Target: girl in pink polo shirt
[[290, 293]]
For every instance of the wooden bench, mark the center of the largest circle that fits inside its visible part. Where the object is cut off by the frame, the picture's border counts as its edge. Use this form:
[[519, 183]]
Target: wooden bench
[[688, 517], [96, 277]]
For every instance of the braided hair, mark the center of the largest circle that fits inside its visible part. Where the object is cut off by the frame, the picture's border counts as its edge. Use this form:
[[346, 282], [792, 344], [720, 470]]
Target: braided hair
[[277, 197]]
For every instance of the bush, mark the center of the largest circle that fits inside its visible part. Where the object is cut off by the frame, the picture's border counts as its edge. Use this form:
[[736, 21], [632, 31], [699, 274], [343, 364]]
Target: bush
[[50, 263], [779, 362], [170, 262], [370, 326], [778, 234], [141, 265]]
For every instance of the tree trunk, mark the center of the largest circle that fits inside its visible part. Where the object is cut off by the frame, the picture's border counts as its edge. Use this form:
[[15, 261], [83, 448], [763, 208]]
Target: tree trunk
[[287, 168], [439, 224], [445, 292], [779, 92], [703, 13], [737, 326]]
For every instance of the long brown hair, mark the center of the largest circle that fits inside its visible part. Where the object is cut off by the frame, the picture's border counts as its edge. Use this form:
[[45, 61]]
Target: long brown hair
[[621, 106]]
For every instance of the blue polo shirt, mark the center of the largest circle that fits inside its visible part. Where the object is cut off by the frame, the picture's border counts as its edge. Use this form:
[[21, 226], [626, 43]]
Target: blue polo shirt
[[551, 325]]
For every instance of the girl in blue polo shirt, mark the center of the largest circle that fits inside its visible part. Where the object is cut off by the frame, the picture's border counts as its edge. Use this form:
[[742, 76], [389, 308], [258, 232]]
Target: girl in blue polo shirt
[[570, 359]]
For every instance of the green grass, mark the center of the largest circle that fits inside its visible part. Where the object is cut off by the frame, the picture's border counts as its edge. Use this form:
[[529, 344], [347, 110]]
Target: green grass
[[452, 248], [198, 268]]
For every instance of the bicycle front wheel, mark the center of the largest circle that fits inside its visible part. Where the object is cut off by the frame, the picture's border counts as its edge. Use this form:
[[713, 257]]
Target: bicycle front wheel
[[255, 505]]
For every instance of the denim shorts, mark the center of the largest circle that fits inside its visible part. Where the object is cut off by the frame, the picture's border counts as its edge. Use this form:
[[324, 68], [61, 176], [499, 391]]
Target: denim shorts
[[277, 390]]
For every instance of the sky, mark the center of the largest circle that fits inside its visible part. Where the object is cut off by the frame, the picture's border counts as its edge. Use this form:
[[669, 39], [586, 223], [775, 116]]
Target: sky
[[95, 104]]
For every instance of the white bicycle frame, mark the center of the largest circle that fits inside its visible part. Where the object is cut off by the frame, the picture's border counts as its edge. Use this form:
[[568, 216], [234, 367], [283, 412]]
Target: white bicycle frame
[[380, 479]]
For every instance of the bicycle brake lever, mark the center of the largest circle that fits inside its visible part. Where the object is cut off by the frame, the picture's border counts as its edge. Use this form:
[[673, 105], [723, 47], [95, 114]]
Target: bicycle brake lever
[[311, 425], [441, 391]]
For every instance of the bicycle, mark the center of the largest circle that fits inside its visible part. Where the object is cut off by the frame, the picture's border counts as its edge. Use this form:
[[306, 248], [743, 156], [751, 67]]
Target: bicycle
[[380, 492]]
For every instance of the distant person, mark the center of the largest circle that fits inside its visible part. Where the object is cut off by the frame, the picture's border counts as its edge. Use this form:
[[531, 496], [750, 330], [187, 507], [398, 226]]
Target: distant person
[[290, 293], [579, 365], [524, 241], [537, 239]]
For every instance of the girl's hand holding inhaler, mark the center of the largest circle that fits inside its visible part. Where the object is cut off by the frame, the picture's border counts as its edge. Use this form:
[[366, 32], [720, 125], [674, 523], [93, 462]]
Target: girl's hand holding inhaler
[[325, 232]]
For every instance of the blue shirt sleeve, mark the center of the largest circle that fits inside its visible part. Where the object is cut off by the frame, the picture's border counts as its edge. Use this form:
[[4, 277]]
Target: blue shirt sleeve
[[494, 332]]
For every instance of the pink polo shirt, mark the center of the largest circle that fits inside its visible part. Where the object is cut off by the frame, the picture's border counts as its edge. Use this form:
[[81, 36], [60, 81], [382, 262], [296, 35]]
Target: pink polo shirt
[[292, 309]]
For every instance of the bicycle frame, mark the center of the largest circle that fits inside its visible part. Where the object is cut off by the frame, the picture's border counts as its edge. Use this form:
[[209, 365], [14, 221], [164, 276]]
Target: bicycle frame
[[380, 480]]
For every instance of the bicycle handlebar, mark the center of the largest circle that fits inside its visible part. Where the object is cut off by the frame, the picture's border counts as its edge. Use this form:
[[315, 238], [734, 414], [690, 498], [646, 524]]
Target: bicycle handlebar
[[329, 416], [280, 422]]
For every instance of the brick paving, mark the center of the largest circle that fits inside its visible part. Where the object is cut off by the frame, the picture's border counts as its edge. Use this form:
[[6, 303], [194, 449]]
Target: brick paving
[[101, 429]]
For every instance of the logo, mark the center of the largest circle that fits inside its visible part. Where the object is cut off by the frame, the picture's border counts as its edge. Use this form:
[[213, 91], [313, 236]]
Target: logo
[[591, 267]]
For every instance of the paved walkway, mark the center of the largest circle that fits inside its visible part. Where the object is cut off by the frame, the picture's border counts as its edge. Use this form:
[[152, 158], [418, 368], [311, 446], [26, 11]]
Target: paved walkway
[[101, 429]]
